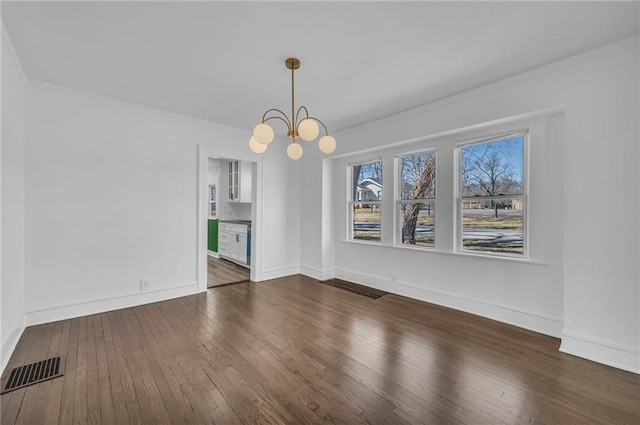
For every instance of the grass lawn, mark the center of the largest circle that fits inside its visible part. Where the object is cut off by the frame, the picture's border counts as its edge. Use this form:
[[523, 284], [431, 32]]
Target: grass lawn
[[491, 222], [470, 222], [366, 215]]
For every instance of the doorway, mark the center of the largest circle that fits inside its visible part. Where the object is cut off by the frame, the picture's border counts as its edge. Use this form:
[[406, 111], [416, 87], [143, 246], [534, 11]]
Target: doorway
[[228, 227]]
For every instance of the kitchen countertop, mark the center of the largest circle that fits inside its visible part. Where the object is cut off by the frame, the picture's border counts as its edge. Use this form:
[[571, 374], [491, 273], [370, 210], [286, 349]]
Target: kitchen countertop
[[236, 221]]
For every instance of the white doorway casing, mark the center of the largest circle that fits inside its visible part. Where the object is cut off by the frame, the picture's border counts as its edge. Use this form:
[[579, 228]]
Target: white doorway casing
[[204, 153]]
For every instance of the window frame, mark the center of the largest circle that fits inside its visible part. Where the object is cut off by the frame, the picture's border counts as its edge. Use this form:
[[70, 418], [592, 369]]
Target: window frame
[[398, 201], [459, 199], [543, 131], [351, 201]]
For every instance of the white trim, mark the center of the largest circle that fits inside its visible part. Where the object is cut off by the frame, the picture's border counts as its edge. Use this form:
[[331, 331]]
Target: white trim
[[213, 254], [453, 135], [579, 59], [9, 345], [318, 274], [278, 273], [602, 351], [534, 321], [14, 55], [454, 253], [87, 307]]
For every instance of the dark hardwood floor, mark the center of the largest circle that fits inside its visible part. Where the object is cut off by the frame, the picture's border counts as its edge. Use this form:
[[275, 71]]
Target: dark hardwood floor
[[223, 272], [293, 351]]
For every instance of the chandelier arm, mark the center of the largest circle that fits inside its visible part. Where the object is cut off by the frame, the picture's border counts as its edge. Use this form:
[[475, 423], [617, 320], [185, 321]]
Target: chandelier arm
[[285, 119], [326, 132], [275, 117], [296, 122]]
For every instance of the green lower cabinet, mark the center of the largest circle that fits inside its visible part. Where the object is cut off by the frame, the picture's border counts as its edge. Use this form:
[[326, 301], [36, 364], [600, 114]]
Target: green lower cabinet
[[212, 244]]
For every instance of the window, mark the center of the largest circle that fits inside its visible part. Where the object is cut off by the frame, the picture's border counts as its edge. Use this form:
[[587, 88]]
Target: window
[[492, 196], [471, 192], [417, 201], [366, 201], [212, 200]]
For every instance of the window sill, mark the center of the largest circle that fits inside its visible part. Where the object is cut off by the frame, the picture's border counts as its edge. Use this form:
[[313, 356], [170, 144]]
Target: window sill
[[453, 253]]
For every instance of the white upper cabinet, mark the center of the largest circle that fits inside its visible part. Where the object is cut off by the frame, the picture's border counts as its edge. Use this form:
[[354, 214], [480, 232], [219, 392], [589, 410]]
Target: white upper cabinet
[[239, 181]]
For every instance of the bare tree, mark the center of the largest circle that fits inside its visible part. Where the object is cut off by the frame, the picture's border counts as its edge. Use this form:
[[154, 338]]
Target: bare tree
[[357, 169], [486, 171], [372, 170], [423, 187]]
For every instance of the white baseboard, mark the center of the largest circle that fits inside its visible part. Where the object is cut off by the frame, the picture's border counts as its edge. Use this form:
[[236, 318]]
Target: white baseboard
[[213, 254], [277, 273], [9, 344], [317, 273], [100, 305], [530, 320], [601, 351]]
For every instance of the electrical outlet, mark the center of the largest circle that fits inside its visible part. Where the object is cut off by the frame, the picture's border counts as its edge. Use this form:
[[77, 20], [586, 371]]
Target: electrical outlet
[[144, 284]]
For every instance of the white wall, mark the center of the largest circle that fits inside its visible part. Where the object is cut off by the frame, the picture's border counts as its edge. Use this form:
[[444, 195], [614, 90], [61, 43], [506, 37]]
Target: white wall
[[313, 205], [213, 171], [12, 224], [112, 198], [588, 293], [281, 245]]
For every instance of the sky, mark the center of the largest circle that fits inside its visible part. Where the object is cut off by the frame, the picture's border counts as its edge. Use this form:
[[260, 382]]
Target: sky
[[512, 150]]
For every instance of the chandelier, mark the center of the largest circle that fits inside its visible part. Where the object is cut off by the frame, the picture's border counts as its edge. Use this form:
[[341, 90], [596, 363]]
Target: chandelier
[[300, 126]]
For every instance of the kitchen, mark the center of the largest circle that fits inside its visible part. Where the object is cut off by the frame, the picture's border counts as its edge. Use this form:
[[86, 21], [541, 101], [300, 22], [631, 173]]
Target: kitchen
[[229, 220]]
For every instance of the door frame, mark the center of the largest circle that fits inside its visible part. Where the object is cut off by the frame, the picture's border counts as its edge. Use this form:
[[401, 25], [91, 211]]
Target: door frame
[[204, 153]]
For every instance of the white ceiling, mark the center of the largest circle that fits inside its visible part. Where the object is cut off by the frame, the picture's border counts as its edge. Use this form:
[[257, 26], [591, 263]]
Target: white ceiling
[[224, 61]]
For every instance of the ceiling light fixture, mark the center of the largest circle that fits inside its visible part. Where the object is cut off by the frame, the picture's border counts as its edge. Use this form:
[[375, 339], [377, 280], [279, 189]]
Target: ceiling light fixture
[[306, 128]]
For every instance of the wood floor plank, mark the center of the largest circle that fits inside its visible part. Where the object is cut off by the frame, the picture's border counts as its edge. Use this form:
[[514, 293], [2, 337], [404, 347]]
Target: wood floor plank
[[105, 393], [11, 403], [51, 412], [152, 407], [42, 391], [68, 389], [113, 376], [294, 351], [29, 414], [122, 350], [223, 272], [94, 332]]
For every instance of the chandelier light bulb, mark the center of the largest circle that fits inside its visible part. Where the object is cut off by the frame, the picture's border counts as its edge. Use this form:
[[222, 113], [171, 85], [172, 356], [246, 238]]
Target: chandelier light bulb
[[263, 133], [294, 151], [327, 144], [255, 146], [308, 129]]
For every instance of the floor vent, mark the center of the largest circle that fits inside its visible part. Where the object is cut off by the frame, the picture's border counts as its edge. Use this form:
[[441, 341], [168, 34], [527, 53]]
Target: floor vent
[[33, 373], [354, 287]]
